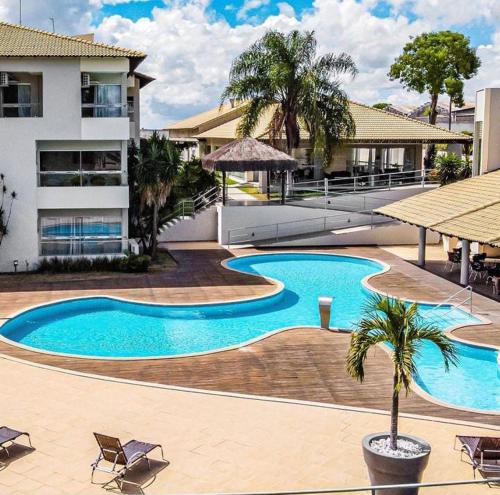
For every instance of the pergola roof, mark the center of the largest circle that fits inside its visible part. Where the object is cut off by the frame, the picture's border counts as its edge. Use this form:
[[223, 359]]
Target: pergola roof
[[248, 154], [372, 126], [468, 209]]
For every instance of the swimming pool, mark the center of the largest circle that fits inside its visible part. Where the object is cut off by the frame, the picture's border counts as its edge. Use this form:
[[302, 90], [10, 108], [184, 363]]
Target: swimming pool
[[107, 327]]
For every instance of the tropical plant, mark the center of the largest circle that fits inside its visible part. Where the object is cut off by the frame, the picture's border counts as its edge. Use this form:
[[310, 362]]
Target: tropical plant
[[397, 323], [280, 74], [450, 168], [437, 63], [192, 179], [157, 165], [6, 202]]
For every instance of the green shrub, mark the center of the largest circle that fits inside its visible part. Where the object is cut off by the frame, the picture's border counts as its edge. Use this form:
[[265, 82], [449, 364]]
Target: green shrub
[[131, 263], [451, 167], [134, 263]]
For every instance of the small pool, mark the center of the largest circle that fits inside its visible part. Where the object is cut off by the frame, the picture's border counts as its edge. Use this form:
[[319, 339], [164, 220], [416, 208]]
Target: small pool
[[106, 327]]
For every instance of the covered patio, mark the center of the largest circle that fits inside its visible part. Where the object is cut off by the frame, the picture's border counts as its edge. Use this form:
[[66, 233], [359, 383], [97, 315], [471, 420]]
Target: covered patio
[[466, 214], [250, 155]]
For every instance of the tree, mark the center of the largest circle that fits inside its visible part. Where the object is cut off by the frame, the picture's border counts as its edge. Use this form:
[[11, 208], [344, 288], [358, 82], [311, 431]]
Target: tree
[[192, 179], [6, 202], [436, 63], [381, 105], [282, 75], [397, 323], [455, 90], [156, 169]]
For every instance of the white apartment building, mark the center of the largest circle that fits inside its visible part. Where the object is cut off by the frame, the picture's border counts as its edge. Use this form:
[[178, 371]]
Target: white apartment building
[[68, 108]]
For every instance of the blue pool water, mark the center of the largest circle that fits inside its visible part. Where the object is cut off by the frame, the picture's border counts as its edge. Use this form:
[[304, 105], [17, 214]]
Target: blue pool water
[[110, 328]]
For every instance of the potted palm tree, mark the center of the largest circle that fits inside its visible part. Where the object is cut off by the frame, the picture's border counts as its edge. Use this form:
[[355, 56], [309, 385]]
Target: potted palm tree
[[393, 458]]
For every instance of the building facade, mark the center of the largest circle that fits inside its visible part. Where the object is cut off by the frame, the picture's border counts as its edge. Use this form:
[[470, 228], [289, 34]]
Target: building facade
[[68, 108]]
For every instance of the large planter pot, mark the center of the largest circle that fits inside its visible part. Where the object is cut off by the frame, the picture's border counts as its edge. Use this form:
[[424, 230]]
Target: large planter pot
[[387, 470]]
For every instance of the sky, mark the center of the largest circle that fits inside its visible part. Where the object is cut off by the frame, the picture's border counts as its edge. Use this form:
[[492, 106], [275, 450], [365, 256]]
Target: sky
[[191, 43]]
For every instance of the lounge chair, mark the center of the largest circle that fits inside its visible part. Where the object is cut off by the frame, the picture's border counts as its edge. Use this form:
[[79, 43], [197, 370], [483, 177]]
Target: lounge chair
[[483, 453], [121, 457], [7, 437]]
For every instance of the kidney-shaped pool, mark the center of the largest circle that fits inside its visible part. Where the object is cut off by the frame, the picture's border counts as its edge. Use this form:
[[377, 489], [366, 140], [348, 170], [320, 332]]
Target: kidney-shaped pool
[[104, 327]]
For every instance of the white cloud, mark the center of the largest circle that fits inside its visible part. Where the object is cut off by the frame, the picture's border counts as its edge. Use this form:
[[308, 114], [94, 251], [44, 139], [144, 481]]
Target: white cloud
[[190, 49], [249, 5]]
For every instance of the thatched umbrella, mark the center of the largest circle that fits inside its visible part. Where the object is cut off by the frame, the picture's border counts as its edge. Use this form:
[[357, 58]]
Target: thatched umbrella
[[249, 155]]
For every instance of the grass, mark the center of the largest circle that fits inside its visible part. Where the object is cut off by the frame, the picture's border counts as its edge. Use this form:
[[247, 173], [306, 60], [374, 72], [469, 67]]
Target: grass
[[254, 191]]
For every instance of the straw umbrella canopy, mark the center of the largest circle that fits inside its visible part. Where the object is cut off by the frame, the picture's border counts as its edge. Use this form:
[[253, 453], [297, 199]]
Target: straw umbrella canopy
[[249, 155]]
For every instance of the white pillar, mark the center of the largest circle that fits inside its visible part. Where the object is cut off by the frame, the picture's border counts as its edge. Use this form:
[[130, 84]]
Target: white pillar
[[422, 231], [464, 266]]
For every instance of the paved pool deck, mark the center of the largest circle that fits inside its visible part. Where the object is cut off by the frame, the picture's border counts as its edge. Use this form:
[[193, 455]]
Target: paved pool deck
[[220, 443]]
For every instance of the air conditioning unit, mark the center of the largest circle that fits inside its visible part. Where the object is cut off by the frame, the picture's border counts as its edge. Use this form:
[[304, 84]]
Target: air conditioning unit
[[4, 79], [85, 80]]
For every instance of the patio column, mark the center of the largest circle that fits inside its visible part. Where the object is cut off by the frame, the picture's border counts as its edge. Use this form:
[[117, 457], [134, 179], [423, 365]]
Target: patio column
[[223, 188], [268, 184], [464, 265], [422, 231]]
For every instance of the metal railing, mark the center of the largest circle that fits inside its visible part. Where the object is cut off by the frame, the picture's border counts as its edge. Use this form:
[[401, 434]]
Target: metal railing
[[366, 489], [191, 206], [276, 231], [79, 246], [20, 110], [93, 110], [452, 301], [360, 183], [88, 178]]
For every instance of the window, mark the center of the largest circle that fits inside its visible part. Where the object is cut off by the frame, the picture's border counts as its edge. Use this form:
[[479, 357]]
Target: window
[[22, 95], [80, 168], [102, 100], [80, 235]]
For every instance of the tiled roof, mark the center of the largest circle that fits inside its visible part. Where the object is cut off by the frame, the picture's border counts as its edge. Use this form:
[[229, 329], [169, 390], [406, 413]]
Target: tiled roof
[[214, 114], [467, 209], [22, 41], [372, 125]]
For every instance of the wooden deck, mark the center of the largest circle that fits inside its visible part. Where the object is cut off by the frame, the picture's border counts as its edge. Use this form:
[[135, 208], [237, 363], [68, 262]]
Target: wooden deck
[[305, 364]]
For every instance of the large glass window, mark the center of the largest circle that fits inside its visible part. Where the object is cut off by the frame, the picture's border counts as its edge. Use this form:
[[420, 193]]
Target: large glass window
[[80, 168], [102, 100], [80, 235]]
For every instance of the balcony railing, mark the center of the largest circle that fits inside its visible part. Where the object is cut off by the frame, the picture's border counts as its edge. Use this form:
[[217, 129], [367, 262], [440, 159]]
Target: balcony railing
[[82, 179], [82, 246], [92, 110], [20, 110]]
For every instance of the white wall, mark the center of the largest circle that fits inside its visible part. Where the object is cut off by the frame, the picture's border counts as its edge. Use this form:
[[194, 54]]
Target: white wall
[[18, 137], [203, 227], [381, 235]]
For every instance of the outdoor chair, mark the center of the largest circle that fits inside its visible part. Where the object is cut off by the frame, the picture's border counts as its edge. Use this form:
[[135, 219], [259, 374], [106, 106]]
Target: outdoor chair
[[477, 269], [483, 453], [8, 437], [121, 457], [454, 259]]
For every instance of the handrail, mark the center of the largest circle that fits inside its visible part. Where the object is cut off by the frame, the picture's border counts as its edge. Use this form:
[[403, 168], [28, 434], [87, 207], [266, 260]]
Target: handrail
[[372, 489], [448, 301], [275, 227]]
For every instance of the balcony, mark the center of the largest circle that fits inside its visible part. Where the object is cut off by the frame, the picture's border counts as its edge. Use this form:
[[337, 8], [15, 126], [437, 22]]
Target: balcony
[[82, 197], [82, 179]]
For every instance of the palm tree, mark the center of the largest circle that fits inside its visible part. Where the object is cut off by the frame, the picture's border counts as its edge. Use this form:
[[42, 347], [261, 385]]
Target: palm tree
[[396, 323], [157, 165], [281, 74]]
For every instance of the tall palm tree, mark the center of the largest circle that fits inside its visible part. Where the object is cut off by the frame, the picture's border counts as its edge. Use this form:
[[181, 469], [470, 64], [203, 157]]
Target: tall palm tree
[[157, 165], [281, 74], [399, 324]]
